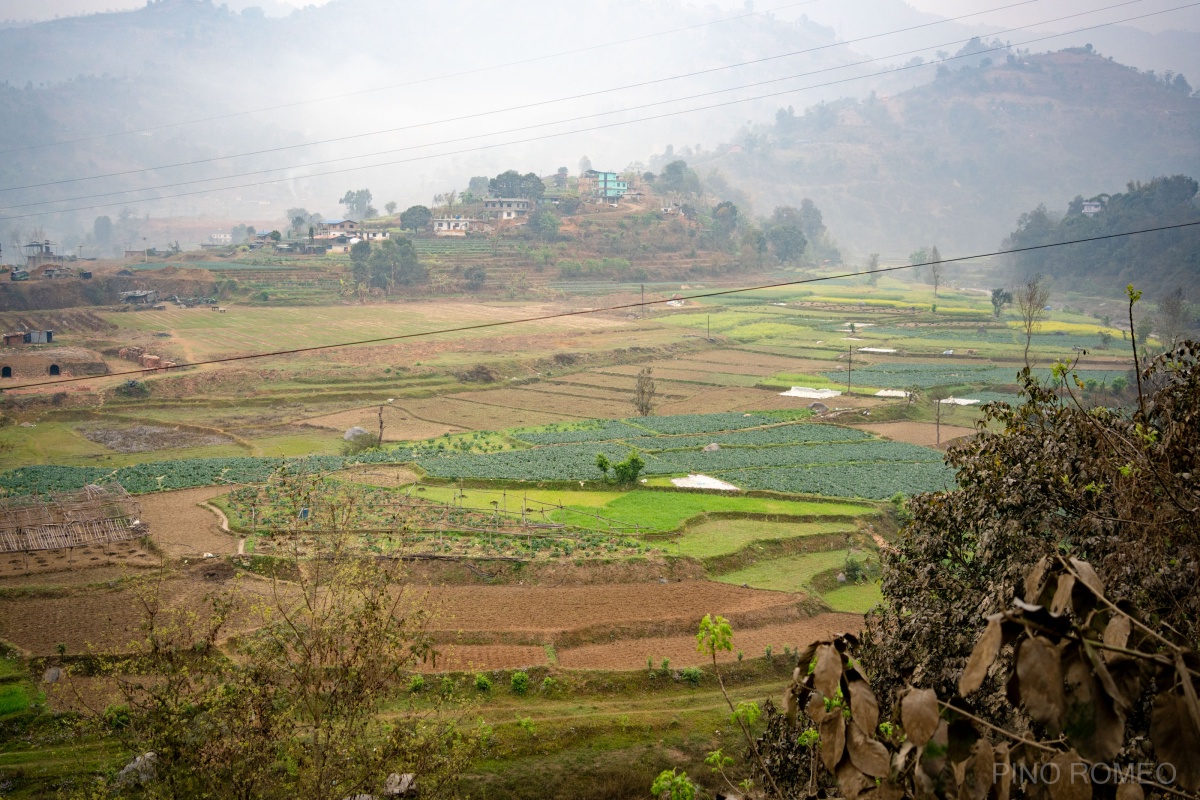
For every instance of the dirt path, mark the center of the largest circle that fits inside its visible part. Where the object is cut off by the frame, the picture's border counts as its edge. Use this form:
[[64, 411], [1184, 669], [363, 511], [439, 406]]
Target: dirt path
[[184, 528]]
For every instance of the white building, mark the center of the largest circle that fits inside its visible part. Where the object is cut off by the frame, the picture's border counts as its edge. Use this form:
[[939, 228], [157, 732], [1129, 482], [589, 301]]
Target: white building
[[459, 226], [507, 207]]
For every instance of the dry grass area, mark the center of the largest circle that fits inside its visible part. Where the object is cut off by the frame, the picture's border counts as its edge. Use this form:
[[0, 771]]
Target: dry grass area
[[52, 566], [919, 433], [398, 424], [184, 529]]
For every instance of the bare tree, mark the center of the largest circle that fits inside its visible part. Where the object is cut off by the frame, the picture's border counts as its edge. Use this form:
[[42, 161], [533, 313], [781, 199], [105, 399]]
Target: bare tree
[[935, 269], [1031, 305], [1174, 318], [643, 395]]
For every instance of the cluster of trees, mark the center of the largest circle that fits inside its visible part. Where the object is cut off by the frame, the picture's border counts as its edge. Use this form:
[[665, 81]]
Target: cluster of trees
[[388, 265], [1164, 258], [358, 204]]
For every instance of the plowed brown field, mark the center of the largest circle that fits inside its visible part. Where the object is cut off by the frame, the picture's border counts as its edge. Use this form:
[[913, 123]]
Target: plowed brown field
[[632, 653]]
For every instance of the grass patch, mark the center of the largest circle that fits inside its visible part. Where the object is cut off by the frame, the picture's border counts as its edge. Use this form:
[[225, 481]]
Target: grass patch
[[668, 511], [721, 537], [14, 697], [788, 574], [855, 598]]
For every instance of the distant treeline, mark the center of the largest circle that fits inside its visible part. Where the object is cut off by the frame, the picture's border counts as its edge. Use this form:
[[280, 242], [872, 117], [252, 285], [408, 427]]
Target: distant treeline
[[1152, 260]]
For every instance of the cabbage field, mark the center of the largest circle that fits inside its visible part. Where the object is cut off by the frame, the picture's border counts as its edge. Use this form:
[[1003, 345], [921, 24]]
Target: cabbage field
[[754, 451]]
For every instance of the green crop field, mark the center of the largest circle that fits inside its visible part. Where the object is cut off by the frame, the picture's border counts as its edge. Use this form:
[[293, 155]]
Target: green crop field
[[855, 598], [787, 574], [724, 536]]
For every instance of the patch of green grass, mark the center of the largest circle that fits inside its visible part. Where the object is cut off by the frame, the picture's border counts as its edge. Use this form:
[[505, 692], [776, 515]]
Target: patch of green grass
[[855, 598], [788, 574], [668, 511], [13, 697], [721, 537]]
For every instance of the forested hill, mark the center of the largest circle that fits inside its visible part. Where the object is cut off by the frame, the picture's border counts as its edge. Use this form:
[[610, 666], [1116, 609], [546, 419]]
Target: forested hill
[[1156, 262], [957, 161]]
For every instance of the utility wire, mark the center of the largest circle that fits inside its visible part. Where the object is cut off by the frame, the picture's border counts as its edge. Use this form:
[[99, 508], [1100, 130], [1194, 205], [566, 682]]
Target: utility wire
[[568, 98], [547, 124], [430, 79], [620, 307]]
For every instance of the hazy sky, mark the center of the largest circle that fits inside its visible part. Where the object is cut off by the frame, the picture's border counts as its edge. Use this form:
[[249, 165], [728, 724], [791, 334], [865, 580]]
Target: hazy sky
[[822, 10]]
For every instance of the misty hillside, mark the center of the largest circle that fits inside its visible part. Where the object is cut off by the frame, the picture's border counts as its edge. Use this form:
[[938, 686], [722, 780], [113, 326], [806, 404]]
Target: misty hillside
[[955, 162]]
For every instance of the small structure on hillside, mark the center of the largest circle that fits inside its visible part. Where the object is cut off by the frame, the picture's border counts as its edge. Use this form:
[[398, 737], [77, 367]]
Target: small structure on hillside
[[605, 186], [507, 207], [459, 226], [37, 362], [40, 254], [141, 297], [92, 515]]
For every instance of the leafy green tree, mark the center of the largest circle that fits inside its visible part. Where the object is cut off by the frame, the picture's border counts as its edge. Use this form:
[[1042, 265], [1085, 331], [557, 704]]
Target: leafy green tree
[[678, 177], [275, 236], [627, 471], [414, 218], [395, 263], [390, 207], [725, 220], [787, 241], [360, 253], [102, 231], [1000, 299], [545, 224], [358, 204], [513, 184]]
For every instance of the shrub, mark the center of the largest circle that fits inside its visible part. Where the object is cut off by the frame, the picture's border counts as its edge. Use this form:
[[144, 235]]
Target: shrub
[[692, 675], [133, 389], [520, 682], [482, 682], [416, 683], [549, 685]]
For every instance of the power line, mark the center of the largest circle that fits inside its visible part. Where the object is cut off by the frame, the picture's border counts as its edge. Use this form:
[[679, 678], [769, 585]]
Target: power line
[[620, 307], [430, 79], [540, 125], [568, 98]]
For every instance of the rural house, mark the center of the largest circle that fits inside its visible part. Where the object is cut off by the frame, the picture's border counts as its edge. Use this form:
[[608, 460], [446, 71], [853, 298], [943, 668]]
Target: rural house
[[606, 186], [507, 207], [331, 228]]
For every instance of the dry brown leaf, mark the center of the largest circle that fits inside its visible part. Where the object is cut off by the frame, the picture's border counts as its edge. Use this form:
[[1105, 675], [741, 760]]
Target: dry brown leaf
[[868, 755], [1062, 595], [1130, 791], [1088, 576], [1003, 781], [1176, 739], [981, 658], [1072, 778], [833, 740], [790, 705], [919, 715], [815, 708], [1033, 581], [933, 757], [850, 780], [828, 673], [980, 771], [1039, 673], [864, 707], [1116, 632], [901, 756], [1091, 721]]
